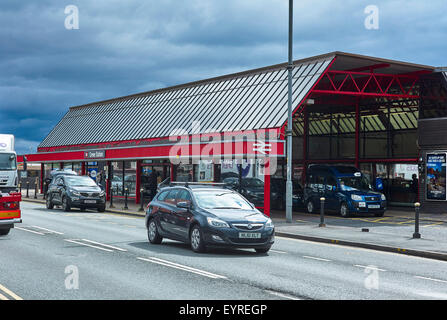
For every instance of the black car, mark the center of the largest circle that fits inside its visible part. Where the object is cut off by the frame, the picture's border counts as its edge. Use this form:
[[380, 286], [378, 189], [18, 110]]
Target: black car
[[278, 194], [207, 216], [75, 191], [251, 188]]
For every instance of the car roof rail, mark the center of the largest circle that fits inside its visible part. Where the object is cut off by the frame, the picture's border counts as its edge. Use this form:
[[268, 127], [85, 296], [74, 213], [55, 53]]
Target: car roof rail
[[189, 183]]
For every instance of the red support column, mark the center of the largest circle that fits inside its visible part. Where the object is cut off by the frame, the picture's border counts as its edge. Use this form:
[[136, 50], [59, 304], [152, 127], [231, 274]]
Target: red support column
[[82, 168], [109, 178], [357, 134], [42, 170], [267, 186], [138, 183], [305, 137], [61, 165]]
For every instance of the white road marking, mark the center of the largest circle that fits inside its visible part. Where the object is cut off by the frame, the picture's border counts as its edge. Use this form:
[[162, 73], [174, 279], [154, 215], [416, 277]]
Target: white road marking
[[316, 258], [436, 280], [10, 293], [277, 251], [369, 267], [104, 245], [88, 245], [182, 267], [282, 295], [42, 234], [2, 297], [45, 229]]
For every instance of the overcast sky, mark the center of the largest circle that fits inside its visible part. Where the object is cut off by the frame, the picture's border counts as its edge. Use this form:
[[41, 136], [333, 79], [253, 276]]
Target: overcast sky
[[125, 47]]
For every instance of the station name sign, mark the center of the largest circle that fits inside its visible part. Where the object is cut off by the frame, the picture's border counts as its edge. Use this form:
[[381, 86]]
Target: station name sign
[[95, 154]]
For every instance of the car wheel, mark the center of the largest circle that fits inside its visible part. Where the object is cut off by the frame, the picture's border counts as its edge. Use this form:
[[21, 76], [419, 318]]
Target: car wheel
[[344, 211], [4, 232], [262, 250], [102, 209], [196, 239], [65, 205], [49, 203], [379, 214], [152, 233], [310, 207]]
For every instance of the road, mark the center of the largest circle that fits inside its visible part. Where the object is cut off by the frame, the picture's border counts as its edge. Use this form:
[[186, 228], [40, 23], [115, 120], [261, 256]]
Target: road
[[88, 255]]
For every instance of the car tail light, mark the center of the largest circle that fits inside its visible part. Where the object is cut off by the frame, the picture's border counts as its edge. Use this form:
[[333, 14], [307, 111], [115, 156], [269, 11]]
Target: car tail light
[[10, 205]]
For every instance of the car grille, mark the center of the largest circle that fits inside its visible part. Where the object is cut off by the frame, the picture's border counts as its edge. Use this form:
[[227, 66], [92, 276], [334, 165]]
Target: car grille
[[372, 198], [248, 226], [90, 194], [239, 240]]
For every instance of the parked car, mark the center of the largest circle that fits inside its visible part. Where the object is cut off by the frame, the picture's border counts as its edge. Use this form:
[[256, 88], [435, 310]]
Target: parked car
[[278, 194], [345, 189], [75, 191], [207, 216], [251, 188]]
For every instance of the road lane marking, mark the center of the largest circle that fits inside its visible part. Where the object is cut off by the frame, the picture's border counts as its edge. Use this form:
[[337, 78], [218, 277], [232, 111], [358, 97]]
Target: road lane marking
[[277, 251], [369, 267], [316, 258], [20, 228], [431, 279], [282, 295], [45, 229], [10, 293], [2, 297], [104, 245], [88, 245], [182, 267]]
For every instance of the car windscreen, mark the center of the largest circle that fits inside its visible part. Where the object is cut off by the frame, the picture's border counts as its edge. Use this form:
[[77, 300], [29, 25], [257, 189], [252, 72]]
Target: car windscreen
[[221, 199], [354, 183], [8, 161], [252, 182], [77, 181]]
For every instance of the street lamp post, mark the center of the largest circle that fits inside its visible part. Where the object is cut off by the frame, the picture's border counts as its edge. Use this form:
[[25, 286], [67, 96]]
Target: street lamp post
[[289, 120]]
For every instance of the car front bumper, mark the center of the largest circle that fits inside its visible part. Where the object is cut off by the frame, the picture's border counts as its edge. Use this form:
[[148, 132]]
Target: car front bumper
[[229, 237], [79, 202]]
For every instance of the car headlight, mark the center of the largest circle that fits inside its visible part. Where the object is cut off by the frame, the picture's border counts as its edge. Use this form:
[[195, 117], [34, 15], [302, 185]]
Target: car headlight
[[383, 197], [217, 223], [356, 197], [269, 223], [75, 193], [102, 194]]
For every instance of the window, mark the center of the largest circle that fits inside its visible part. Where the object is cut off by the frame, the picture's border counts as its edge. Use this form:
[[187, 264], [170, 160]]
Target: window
[[184, 195], [172, 196], [162, 195], [331, 183]]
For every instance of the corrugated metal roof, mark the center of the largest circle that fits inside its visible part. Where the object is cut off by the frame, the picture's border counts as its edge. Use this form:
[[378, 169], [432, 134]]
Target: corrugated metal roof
[[245, 101]]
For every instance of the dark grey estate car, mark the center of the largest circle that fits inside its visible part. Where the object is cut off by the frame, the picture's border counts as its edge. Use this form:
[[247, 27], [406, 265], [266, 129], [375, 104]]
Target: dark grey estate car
[[207, 216], [75, 191]]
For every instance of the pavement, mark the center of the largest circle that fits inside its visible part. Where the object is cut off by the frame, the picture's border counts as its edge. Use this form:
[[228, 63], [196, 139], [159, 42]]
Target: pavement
[[391, 233]]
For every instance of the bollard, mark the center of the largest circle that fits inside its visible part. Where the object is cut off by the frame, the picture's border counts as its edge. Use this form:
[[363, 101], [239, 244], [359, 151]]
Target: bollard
[[20, 188], [322, 199], [111, 198], [27, 189], [416, 234], [125, 199], [44, 190], [141, 199]]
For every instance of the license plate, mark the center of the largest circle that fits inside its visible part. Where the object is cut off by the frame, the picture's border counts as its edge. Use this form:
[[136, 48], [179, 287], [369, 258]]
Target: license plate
[[89, 201], [249, 235], [374, 206]]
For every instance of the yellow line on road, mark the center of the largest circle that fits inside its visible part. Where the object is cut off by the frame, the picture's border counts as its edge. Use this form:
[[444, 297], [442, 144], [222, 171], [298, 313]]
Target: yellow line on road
[[10, 293]]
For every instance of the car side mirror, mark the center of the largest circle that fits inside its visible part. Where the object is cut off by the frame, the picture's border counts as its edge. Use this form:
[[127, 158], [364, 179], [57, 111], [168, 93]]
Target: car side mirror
[[183, 205]]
